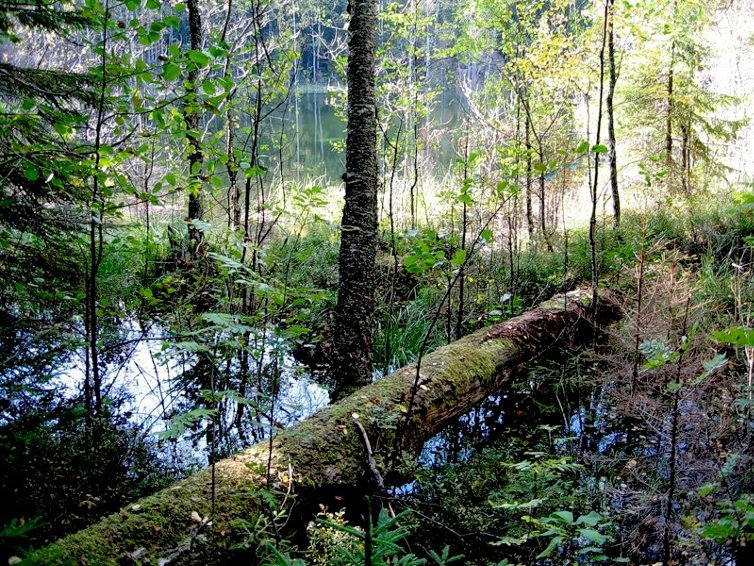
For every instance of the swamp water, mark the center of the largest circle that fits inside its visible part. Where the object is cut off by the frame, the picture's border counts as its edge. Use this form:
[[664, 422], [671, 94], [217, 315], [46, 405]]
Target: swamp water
[[155, 377]]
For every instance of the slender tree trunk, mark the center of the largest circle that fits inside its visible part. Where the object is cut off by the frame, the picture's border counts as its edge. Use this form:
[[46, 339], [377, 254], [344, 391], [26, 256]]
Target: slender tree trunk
[[529, 210], [512, 218], [612, 80], [686, 158], [248, 302], [464, 229], [93, 379], [542, 197], [354, 314], [231, 165], [669, 116], [593, 216], [675, 433], [415, 117], [192, 118], [393, 252]]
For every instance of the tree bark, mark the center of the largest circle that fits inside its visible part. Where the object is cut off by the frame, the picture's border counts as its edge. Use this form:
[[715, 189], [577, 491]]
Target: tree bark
[[354, 312], [325, 454], [595, 179], [669, 115], [612, 80], [193, 123], [529, 209]]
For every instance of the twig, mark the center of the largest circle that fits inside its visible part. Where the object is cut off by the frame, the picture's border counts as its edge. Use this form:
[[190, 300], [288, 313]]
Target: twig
[[371, 462]]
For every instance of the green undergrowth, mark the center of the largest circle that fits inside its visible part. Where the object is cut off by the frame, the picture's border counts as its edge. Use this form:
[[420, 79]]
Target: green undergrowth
[[697, 250]]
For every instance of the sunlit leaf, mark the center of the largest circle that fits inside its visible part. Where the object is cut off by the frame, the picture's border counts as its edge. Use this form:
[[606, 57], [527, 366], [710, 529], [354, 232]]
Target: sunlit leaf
[[738, 336], [171, 71], [200, 58]]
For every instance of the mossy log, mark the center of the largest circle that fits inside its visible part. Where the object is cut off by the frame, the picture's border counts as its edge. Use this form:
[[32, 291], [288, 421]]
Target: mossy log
[[324, 454]]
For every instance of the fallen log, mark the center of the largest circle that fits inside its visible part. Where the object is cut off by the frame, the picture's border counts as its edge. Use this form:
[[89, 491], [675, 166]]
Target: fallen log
[[326, 452]]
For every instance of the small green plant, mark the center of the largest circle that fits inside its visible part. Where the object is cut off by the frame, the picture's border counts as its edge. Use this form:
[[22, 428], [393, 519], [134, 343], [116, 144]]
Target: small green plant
[[335, 543], [583, 536], [736, 523]]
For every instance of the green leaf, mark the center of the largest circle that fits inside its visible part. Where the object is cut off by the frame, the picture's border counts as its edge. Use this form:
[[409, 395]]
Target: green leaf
[[296, 331], [191, 346], [706, 489], [554, 542], [720, 530], [711, 366], [486, 235], [209, 87], [132, 5], [730, 464], [594, 536], [31, 173], [599, 148], [565, 517], [582, 147], [179, 424], [589, 520], [590, 550], [216, 51], [171, 71], [459, 257], [200, 58], [739, 336]]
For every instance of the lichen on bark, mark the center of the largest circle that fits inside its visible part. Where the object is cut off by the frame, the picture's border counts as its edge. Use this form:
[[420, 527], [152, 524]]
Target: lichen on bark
[[354, 311]]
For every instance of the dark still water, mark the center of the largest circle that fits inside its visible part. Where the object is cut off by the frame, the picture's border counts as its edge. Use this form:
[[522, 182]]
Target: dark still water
[[308, 137]]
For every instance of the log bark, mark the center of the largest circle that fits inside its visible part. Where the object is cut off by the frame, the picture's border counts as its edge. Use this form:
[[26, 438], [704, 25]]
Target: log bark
[[325, 453]]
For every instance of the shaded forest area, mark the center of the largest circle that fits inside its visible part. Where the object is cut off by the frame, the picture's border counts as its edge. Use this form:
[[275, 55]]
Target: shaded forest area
[[182, 277]]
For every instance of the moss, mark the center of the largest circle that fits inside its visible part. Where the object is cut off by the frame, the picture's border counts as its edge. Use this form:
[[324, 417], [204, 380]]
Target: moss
[[156, 524]]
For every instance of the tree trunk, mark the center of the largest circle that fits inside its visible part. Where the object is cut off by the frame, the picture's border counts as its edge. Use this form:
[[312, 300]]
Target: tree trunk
[[354, 313], [529, 209], [612, 80], [669, 116], [593, 216], [191, 116], [325, 454], [686, 158]]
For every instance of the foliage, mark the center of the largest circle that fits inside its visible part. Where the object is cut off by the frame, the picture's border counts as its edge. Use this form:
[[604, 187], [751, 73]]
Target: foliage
[[567, 535], [506, 498], [334, 542], [101, 285], [61, 480]]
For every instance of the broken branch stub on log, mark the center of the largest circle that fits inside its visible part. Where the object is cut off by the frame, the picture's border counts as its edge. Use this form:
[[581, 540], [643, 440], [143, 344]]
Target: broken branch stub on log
[[326, 452]]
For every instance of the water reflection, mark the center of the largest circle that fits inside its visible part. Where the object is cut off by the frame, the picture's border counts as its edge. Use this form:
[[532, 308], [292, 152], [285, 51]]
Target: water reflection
[[305, 139], [167, 392]]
